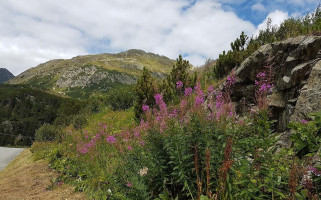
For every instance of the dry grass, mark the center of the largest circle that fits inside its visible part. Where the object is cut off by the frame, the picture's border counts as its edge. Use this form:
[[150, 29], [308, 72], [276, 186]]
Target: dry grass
[[25, 179]]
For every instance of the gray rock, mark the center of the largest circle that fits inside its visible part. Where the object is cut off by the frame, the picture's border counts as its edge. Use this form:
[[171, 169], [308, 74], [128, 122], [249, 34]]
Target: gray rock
[[296, 75]]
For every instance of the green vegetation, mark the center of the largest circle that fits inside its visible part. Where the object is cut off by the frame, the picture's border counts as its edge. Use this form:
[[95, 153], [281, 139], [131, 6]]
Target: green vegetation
[[196, 147], [244, 46], [181, 138], [82, 76], [23, 110]]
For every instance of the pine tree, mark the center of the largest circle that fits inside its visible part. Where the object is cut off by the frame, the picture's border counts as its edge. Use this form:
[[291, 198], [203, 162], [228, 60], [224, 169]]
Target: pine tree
[[145, 91], [179, 73]]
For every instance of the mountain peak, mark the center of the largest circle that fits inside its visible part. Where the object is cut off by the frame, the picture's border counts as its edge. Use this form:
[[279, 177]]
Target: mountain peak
[[5, 75]]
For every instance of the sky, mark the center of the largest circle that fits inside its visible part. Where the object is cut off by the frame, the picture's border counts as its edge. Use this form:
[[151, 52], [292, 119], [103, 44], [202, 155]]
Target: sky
[[35, 31]]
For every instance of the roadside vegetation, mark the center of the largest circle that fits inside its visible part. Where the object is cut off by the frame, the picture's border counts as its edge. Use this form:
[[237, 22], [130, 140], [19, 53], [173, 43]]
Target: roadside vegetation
[[182, 138]]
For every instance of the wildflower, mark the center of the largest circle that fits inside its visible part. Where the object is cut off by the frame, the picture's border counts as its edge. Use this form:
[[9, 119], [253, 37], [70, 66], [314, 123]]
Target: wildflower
[[85, 131], [210, 90], [145, 108], [199, 100], [200, 95], [111, 139], [179, 84], [60, 183], [86, 137], [129, 184], [314, 170], [129, 147], [158, 98], [231, 79], [137, 134], [188, 91], [104, 126], [142, 143], [143, 171], [303, 121]]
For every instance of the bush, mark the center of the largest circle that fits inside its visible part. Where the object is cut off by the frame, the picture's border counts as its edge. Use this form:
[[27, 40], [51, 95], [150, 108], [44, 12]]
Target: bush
[[79, 121], [48, 132]]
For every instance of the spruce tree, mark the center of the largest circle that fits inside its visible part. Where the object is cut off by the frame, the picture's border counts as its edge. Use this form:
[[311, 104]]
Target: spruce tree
[[145, 91]]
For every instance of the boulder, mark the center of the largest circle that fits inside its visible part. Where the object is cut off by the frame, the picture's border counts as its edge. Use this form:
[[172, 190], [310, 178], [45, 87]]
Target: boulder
[[296, 77]]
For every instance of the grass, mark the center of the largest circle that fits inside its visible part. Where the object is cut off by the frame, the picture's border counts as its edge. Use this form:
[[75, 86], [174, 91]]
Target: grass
[[26, 179]]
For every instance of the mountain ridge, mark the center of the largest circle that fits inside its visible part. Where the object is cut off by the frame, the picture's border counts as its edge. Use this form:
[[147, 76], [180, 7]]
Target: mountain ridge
[[82, 75]]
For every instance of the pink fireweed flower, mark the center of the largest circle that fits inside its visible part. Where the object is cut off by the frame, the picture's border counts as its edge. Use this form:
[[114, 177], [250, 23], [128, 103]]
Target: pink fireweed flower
[[174, 113], [158, 98], [314, 170], [199, 100], [231, 80], [83, 150], [129, 184], [179, 84], [86, 137], [260, 74], [145, 108], [210, 90], [200, 95], [303, 121], [111, 139], [129, 147], [188, 91], [136, 134], [60, 183]]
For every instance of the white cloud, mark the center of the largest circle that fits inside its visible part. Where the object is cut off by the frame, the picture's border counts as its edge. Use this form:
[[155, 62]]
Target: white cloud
[[277, 18], [258, 7], [35, 31]]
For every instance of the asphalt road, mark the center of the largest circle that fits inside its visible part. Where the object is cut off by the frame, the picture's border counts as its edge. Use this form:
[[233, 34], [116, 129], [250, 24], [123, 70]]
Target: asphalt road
[[7, 155]]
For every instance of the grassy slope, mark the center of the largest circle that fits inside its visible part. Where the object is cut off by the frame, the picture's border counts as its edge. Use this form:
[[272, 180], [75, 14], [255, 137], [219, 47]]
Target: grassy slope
[[25, 179], [130, 63]]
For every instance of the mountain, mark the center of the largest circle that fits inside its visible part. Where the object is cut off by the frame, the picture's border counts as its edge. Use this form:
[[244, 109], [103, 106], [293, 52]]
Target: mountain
[[81, 76], [5, 75]]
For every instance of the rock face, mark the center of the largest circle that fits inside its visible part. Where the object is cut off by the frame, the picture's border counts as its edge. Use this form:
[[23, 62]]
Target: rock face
[[296, 66], [5, 75]]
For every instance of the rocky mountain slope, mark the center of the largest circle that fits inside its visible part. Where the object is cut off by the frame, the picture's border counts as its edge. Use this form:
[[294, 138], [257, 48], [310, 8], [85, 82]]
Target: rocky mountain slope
[[5, 75], [296, 66], [82, 75]]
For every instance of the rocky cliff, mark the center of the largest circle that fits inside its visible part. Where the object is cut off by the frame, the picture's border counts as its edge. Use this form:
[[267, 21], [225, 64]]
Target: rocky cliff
[[296, 66]]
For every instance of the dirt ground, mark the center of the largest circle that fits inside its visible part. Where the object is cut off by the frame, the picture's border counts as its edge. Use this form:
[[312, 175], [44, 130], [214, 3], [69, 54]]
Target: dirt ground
[[24, 179]]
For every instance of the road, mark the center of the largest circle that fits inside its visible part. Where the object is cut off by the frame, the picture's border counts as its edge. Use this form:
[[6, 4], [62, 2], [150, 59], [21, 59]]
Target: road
[[7, 155]]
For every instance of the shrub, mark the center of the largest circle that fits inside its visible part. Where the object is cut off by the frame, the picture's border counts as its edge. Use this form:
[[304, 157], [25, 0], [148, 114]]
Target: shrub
[[79, 121], [48, 132]]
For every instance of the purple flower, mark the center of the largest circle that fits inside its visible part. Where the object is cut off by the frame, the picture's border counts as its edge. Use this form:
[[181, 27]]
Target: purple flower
[[188, 91], [129, 147], [158, 98], [129, 184], [137, 134], [260, 74], [145, 108], [199, 100], [179, 84], [314, 170], [111, 139], [86, 137], [303, 121], [231, 79]]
